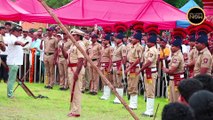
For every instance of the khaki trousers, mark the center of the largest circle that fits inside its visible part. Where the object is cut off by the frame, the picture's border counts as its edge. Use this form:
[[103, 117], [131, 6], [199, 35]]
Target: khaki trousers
[[49, 68], [76, 102], [86, 80], [94, 78], [117, 79], [173, 92], [150, 86], [132, 84], [62, 67]]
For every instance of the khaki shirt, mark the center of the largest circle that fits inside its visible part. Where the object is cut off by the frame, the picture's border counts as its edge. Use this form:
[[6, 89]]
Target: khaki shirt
[[204, 60], [151, 54], [193, 54], [50, 44], [86, 43], [135, 52], [177, 61], [106, 53], [94, 50], [67, 45], [119, 52], [74, 53]]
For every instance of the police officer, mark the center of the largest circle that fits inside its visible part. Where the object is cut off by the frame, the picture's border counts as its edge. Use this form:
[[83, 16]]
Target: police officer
[[50, 51], [193, 53], [203, 63], [94, 51], [149, 68], [106, 61], [176, 65], [134, 56], [62, 62], [75, 72], [119, 58]]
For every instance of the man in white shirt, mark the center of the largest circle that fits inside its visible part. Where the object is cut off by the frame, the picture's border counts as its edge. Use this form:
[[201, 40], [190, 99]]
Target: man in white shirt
[[14, 58]]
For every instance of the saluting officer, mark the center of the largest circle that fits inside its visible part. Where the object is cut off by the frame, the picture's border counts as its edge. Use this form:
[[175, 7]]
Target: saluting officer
[[203, 63], [134, 56], [62, 62], [176, 65], [149, 68]]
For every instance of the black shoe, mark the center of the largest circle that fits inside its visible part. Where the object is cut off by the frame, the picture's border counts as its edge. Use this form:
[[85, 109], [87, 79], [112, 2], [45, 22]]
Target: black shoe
[[46, 86], [83, 91], [49, 87], [66, 88], [94, 93], [61, 88], [145, 115]]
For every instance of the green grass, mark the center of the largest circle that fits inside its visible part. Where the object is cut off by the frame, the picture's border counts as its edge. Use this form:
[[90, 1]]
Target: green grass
[[56, 107]]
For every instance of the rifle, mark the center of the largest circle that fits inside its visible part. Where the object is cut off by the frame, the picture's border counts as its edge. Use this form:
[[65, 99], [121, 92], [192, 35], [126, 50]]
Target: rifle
[[25, 88]]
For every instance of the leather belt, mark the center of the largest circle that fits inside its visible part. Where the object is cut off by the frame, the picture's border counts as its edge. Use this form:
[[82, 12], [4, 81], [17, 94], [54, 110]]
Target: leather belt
[[94, 59], [48, 53], [72, 65]]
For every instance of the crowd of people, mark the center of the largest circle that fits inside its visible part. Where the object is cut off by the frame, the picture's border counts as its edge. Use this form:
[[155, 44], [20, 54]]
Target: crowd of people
[[133, 58]]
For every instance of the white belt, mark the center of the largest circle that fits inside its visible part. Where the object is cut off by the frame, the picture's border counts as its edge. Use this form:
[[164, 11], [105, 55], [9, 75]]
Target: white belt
[[172, 77], [153, 69]]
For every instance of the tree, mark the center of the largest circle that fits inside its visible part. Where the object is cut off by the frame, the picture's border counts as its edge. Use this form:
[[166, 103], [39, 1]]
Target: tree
[[180, 3], [57, 3]]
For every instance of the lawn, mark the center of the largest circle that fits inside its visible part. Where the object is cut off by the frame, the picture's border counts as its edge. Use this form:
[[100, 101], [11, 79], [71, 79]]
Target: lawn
[[56, 107]]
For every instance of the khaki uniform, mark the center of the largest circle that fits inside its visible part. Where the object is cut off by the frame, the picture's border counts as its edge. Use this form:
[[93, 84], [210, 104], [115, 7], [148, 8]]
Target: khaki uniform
[[177, 61], [193, 54], [62, 64], [150, 75], [74, 54], [106, 55], [135, 52], [86, 78], [204, 60], [118, 54], [50, 46], [94, 51]]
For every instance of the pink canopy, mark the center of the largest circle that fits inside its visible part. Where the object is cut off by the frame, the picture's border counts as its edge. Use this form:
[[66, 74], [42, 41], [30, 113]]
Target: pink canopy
[[102, 12], [10, 12], [31, 6]]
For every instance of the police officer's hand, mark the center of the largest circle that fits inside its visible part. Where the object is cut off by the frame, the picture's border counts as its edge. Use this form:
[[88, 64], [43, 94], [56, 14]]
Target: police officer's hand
[[165, 70]]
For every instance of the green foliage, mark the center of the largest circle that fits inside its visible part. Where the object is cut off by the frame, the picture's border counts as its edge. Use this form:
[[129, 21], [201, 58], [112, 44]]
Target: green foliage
[[180, 3], [23, 107], [57, 3]]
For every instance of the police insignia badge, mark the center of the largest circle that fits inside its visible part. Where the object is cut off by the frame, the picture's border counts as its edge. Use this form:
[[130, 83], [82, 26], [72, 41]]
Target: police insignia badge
[[175, 60], [205, 60]]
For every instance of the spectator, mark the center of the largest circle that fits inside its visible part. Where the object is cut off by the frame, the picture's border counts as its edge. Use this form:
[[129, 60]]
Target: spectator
[[187, 87], [177, 111], [202, 104], [206, 80]]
